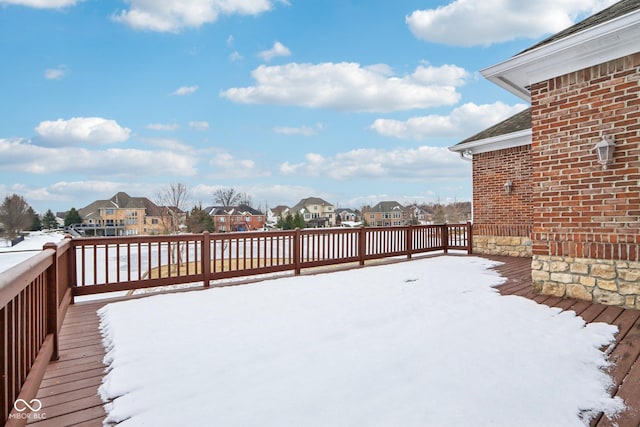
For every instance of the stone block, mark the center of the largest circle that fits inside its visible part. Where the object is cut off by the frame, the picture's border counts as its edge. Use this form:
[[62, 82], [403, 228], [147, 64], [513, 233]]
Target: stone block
[[603, 271], [629, 288], [562, 277], [578, 268], [588, 281], [579, 292], [539, 276], [609, 285], [607, 297], [629, 275], [554, 289], [558, 266]]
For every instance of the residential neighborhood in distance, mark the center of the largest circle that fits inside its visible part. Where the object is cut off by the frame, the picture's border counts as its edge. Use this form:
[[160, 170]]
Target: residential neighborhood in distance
[[126, 215]]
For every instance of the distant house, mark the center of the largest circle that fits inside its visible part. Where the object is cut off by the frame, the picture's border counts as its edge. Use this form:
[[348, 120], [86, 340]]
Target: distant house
[[236, 218], [123, 215], [540, 189], [275, 215], [347, 215], [316, 212], [387, 214], [419, 216]]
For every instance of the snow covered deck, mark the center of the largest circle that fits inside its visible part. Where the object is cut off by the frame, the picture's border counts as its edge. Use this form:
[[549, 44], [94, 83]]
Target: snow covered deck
[[69, 389]]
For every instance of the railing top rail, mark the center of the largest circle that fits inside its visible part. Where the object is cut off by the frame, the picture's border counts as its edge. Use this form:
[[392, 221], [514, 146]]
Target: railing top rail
[[112, 240], [16, 278]]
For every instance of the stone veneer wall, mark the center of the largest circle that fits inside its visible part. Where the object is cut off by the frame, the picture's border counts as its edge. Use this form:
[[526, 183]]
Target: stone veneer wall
[[502, 222], [586, 234], [502, 245], [612, 282]]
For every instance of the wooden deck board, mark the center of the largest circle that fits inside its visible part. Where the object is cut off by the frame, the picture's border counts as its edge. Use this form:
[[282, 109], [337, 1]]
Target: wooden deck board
[[70, 386], [69, 389]]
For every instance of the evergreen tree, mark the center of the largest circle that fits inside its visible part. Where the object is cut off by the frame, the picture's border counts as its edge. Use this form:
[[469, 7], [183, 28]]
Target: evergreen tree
[[49, 221], [199, 221], [298, 221], [288, 222], [72, 217], [36, 225]]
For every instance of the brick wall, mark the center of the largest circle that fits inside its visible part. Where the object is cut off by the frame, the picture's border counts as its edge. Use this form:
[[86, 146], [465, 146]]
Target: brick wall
[[502, 222], [580, 210]]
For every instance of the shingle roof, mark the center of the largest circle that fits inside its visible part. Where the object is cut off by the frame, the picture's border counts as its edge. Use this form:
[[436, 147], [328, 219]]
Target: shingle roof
[[302, 204], [122, 200], [232, 210], [386, 207], [614, 11], [515, 123]]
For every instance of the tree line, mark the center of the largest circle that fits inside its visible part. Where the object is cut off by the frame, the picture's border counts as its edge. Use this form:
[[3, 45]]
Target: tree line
[[17, 215]]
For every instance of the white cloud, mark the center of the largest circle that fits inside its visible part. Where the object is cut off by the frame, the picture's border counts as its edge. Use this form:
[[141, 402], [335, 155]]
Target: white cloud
[[235, 56], [485, 22], [463, 121], [370, 163], [302, 130], [278, 49], [201, 126], [225, 165], [22, 156], [185, 90], [163, 126], [55, 73], [350, 87], [175, 15], [82, 130], [42, 4]]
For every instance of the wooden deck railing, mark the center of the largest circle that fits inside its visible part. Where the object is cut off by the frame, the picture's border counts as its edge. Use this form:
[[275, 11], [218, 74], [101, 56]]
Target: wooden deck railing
[[35, 294], [124, 263]]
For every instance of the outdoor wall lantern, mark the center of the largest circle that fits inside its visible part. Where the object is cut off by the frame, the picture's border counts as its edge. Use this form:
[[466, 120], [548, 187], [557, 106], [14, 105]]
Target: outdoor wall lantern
[[508, 186], [605, 149]]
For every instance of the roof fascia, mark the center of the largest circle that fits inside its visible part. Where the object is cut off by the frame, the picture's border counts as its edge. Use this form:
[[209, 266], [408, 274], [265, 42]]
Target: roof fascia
[[595, 45], [501, 142]]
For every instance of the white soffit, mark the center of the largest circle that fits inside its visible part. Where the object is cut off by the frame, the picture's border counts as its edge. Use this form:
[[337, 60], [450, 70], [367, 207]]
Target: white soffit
[[610, 40], [501, 142]]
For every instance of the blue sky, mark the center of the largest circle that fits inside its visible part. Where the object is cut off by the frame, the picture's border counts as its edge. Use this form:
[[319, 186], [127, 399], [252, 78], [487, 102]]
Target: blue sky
[[354, 101]]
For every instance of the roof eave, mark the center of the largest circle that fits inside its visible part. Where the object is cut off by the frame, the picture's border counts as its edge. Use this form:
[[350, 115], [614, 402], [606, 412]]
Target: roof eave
[[595, 45], [501, 142]]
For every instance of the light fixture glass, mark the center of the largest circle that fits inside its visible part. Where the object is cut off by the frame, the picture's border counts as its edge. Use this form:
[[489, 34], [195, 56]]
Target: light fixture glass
[[508, 186], [604, 150]]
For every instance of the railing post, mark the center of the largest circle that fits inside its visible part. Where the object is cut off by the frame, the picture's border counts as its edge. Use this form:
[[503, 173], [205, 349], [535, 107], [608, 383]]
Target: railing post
[[409, 241], [52, 298], [71, 267], [296, 251], [469, 238], [362, 244], [206, 258], [445, 238]]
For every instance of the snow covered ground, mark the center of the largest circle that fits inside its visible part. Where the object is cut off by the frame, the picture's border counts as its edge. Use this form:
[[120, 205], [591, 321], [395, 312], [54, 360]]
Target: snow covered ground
[[422, 343], [12, 255]]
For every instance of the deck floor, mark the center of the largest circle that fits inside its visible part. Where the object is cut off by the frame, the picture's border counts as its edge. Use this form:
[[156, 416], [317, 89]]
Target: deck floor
[[69, 390]]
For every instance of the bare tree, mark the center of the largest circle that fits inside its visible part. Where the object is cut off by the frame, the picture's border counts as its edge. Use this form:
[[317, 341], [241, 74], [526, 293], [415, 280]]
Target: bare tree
[[173, 200], [15, 215], [228, 196]]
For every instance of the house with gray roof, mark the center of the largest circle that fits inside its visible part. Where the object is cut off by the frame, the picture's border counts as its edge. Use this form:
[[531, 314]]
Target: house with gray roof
[[387, 214], [123, 215], [316, 212]]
